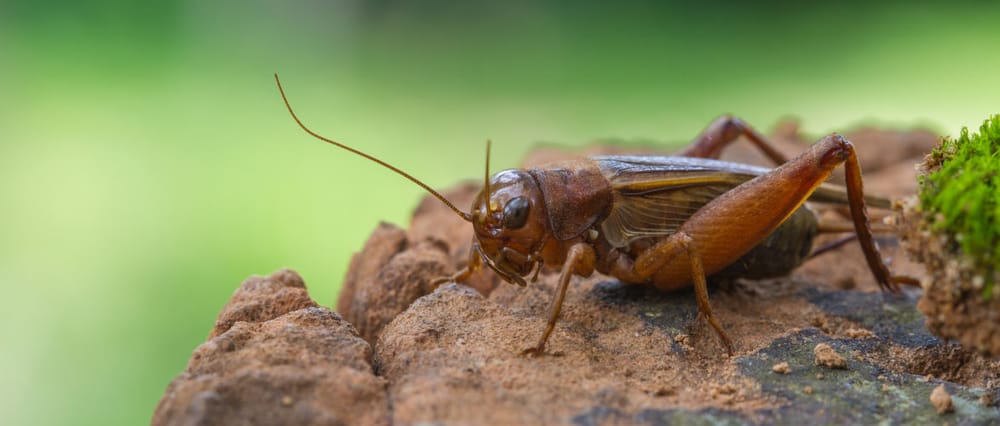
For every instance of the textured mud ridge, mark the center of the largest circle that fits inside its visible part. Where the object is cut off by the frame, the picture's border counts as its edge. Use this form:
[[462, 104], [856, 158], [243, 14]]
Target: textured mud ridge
[[397, 353], [953, 300]]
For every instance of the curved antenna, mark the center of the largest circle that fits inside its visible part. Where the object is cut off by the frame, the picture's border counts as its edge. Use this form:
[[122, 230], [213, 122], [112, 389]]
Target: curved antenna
[[463, 215], [486, 184]]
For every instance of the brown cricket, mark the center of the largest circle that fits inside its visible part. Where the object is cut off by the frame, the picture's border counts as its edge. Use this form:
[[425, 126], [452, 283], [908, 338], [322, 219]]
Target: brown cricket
[[666, 221]]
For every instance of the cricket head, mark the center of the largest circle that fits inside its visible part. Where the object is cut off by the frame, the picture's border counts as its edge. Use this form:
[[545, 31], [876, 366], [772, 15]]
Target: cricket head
[[509, 220]]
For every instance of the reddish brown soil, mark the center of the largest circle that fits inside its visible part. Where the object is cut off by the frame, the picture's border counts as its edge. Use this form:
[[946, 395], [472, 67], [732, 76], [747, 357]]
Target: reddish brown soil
[[619, 354]]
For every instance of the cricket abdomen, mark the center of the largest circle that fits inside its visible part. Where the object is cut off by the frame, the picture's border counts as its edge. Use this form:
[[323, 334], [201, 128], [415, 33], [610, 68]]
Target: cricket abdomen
[[780, 253]]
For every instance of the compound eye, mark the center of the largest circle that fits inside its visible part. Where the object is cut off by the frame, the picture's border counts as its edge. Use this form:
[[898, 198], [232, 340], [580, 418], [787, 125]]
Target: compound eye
[[515, 213]]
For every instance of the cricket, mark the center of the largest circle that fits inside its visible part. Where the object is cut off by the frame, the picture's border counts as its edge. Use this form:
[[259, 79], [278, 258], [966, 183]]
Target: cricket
[[664, 221]]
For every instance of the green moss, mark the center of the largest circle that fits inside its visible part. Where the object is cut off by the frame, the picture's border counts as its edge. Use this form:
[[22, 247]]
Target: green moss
[[959, 195]]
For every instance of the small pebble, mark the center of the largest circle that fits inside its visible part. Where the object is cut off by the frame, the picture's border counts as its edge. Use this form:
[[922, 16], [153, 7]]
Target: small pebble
[[826, 356], [808, 390], [681, 339], [941, 400], [660, 392], [859, 333], [286, 400], [820, 376], [725, 389], [780, 368], [885, 388]]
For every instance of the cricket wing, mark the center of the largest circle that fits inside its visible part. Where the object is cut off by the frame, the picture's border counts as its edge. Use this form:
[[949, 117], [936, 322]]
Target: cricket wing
[[653, 196]]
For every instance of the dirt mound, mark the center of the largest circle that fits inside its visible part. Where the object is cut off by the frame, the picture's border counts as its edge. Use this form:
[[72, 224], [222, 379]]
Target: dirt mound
[[620, 354], [281, 363]]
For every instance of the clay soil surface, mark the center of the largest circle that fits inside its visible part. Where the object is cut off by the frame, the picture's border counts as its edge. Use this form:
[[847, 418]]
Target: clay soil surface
[[398, 352]]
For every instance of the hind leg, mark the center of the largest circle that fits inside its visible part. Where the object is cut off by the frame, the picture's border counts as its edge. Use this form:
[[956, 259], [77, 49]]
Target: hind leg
[[724, 131]]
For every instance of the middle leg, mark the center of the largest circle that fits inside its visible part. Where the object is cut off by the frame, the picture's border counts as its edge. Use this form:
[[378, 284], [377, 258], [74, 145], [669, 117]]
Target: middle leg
[[677, 247]]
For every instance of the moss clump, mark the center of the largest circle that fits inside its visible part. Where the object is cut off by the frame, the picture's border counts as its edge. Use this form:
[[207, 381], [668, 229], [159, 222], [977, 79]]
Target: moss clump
[[959, 195]]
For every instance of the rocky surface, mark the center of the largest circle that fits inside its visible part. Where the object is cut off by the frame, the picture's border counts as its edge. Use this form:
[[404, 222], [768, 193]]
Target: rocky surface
[[620, 354], [282, 360]]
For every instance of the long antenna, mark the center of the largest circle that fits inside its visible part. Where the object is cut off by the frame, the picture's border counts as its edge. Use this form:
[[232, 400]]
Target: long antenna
[[463, 215], [486, 184]]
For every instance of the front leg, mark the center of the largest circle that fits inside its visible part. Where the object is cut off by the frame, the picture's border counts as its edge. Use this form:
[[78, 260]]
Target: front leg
[[579, 261], [474, 264]]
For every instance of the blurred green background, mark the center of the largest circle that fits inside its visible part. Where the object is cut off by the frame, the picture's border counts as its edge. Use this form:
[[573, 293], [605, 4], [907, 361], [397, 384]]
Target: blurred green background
[[147, 165]]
